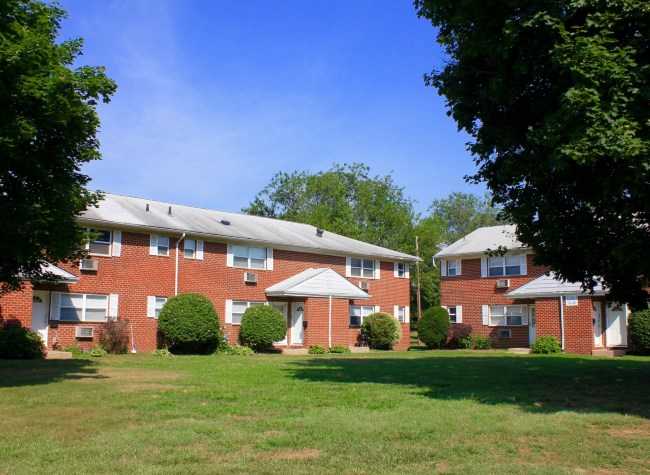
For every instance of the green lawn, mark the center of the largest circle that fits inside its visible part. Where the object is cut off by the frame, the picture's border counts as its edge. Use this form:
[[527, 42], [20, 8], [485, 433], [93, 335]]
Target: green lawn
[[416, 412]]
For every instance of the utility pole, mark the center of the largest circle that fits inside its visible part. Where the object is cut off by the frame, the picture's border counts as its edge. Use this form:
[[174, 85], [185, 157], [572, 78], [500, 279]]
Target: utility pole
[[417, 271]]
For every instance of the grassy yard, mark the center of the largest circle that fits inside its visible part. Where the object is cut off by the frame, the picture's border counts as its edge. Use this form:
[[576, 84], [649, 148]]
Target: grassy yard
[[416, 412]]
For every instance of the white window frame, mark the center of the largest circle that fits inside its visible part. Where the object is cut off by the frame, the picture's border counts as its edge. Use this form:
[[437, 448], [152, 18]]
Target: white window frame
[[453, 268], [189, 248], [362, 268], [571, 300], [154, 245], [159, 303], [455, 313], [401, 314], [248, 257], [83, 307], [248, 303], [401, 270], [508, 313], [109, 243], [364, 311], [503, 265]]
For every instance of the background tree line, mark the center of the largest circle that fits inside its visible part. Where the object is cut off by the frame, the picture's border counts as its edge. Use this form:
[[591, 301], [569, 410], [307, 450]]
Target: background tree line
[[348, 200]]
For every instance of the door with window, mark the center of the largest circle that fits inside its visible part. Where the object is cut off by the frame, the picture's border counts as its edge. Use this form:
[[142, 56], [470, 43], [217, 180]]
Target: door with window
[[282, 307], [297, 318], [41, 313], [616, 330], [597, 321], [532, 325]]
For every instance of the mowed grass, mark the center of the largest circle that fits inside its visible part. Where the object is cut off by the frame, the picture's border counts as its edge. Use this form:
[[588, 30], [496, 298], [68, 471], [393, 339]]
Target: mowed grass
[[416, 412]]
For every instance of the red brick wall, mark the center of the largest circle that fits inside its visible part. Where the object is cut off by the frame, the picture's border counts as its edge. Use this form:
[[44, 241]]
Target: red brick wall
[[578, 327], [135, 275], [473, 291], [17, 306]]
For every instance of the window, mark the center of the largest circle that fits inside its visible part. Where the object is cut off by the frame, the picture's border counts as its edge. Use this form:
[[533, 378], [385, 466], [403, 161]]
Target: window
[[83, 307], [100, 245], [401, 270], [358, 313], [362, 267], [239, 308], [158, 245], [401, 314], [249, 257], [571, 300], [159, 304], [452, 268], [453, 315], [506, 315], [189, 248], [504, 265]]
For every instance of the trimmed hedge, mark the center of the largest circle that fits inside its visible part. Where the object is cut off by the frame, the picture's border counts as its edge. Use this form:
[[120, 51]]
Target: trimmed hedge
[[433, 327], [381, 330], [188, 324], [639, 327], [545, 345], [261, 326], [19, 343]]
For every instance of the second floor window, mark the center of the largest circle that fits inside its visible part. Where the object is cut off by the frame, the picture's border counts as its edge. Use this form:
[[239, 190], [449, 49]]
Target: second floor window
[[504, 265], [189, 248], [362, 267], [249, 257], [452, 268], [401, 270], [158, 245], [100, 244]]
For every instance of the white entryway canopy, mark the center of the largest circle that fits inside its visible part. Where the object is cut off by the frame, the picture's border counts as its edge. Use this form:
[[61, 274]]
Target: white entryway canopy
[[549, 285], [321, 282]]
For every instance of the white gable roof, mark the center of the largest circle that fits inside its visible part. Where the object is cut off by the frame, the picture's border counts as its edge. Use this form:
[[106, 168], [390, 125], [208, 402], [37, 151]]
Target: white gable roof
[[322, 282], [57, 275], [548, 285], [482, 239], [130, 212]]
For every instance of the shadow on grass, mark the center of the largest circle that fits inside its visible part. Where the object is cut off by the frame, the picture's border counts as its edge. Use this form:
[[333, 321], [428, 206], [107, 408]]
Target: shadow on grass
[[535, 383], [15, 373]]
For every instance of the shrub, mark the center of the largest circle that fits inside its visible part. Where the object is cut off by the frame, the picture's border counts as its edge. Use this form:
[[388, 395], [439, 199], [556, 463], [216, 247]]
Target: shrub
[[189, 324], [546, 345], [262, 325], [480, 342], [115, 337], [340, 349], [74, 349], [380, 330], [97, 352], [317, 350], [639, 328], [236, 350], [465, 342], [20, 343], [162, 353], [433, 327], [458, 332]]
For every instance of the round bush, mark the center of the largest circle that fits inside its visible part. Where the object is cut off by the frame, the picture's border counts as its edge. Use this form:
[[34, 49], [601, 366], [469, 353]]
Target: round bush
[[20, 343], [189, 324], [546, 345], [262, 325], [317, 350], [433, 327], [639, 328], [381, 330]]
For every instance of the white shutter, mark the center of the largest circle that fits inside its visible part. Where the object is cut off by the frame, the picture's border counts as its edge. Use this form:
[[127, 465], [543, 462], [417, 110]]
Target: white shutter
[[377, 269], [407, 314], [348, 266], [151, 306], [230, 262], [484, 266], [377, 309], [395, 266], [524, 318], [55, 305], [269, 258], [396, 311], [228, 311], [113, 304], [459, 267], [459, 314], [523, 264], [153, 244], [408, 271], [117, 243], [485, 311], [199, 250], [443, 267]]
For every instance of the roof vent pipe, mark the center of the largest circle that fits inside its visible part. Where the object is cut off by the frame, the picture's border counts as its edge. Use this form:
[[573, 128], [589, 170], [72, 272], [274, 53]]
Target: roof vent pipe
[[169, 211], [146, 208], [225, 222], [319, 232]]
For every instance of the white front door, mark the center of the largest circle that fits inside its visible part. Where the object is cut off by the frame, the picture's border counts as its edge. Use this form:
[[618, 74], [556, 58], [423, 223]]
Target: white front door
[[616, 330], [532, 325], [597, 320], [41, 313], [283, 308], [297, 317]]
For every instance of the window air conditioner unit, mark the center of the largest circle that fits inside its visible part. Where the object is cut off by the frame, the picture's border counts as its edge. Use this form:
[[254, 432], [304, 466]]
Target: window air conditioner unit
[[83, 332], [503, 283], [363, 285], [250, 277], [89, 264]]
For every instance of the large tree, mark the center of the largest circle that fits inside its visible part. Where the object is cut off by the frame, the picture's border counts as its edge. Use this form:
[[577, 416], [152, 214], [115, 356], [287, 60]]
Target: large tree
[[48, 126], [556, 97], [345, 199]]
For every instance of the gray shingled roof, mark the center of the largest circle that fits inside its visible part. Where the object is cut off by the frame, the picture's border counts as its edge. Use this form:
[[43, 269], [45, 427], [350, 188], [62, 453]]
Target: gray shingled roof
[[548, 285], [482, 239], [131, 213]]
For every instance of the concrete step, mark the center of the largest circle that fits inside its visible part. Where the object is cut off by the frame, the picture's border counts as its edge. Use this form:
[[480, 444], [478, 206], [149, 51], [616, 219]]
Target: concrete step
[[609, 351], [58, 355], [521, 351]]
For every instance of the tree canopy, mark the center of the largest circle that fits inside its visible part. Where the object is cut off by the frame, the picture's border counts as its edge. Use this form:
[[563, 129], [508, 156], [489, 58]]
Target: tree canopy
[[48, 125], [555, 96]]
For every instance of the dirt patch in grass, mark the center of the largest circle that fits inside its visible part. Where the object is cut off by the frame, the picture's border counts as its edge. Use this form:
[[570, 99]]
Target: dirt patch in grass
[[639, 432], [291, 454]]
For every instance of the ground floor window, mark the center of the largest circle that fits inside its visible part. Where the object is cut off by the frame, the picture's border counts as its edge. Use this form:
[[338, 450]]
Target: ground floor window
[[453, 315], [239, 307], [83, 307], [401, 314], [506, 315], [358, 313]]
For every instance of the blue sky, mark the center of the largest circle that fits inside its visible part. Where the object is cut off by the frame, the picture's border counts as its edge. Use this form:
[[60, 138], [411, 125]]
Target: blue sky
[[214, 97]]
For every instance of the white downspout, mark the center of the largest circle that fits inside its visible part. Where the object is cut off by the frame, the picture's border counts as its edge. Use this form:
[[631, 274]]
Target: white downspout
[[562, 320], [329, 324], [178, 243]]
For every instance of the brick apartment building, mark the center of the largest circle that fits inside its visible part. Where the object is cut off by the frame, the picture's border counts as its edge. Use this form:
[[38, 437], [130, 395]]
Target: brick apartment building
[[512, 301], [147, 251]]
